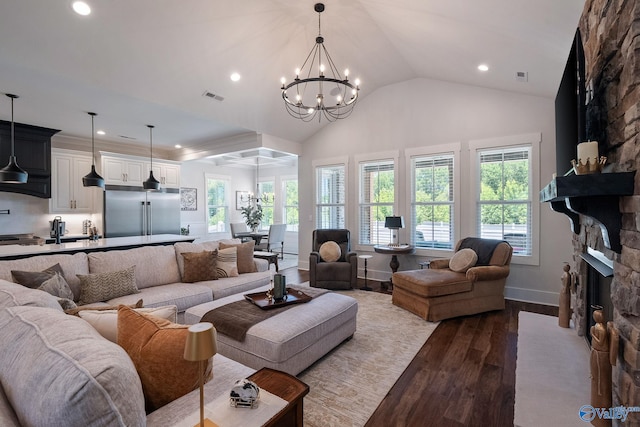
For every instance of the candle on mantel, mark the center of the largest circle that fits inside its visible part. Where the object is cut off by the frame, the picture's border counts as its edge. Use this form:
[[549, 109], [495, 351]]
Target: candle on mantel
[[588, 150]]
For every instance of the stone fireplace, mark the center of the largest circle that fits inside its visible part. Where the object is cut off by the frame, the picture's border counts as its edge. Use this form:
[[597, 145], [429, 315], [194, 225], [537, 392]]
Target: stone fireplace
[[610, 32]]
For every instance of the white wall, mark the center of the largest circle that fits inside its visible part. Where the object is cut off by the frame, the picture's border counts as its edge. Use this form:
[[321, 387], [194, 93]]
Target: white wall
[[425, 112]]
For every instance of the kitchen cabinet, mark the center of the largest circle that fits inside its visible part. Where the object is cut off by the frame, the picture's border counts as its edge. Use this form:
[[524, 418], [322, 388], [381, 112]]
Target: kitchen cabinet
[[120, 169], [123, 171], [68, 195], [167, 173]]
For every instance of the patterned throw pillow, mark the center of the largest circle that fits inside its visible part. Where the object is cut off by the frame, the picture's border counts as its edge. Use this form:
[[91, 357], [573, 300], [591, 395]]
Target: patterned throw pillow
[[76, 311], [156, 347], [227, 263], [199, 266], [246, 263], [105, 286], [57, 286]]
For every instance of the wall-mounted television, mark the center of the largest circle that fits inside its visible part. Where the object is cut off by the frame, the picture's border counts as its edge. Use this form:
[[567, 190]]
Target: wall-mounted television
[[570, 108]]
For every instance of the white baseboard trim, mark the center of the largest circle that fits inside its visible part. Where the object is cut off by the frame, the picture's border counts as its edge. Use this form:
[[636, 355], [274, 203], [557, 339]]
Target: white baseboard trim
[[531, 295]]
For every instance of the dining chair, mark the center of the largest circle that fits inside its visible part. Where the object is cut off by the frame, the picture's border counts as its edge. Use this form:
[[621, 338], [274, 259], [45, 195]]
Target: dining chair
[[275, 239], [239, 227]]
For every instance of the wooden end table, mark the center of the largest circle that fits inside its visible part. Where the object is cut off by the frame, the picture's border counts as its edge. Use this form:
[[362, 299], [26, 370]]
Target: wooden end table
[[286, 387], [394, 251], [272, 257]]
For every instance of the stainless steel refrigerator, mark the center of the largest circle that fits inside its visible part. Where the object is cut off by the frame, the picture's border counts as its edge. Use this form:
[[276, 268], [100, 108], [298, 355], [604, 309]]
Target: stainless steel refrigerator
[[131, 211]]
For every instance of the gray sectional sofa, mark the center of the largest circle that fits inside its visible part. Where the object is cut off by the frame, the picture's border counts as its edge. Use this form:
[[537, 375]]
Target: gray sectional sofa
[[57, 370], [158, 274]]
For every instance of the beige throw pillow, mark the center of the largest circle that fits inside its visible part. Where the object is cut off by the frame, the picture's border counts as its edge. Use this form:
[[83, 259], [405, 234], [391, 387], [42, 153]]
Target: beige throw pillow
[[199, 266], [106, 321], [330, 251], [246, 264], [105, 286], [227, 262], [463, 260]]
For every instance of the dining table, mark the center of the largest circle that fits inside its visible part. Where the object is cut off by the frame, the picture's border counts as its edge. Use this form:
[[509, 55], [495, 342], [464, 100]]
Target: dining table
[[255, 235]]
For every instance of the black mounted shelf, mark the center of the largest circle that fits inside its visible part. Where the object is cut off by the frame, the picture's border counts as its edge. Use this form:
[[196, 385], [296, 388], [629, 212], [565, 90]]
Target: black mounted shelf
[[594, 195]]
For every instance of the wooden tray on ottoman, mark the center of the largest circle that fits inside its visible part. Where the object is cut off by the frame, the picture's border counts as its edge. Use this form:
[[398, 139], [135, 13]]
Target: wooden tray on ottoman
[[292, 297]]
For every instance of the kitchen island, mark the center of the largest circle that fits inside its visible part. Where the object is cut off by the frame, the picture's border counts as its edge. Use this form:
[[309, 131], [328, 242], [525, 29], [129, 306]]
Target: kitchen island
[[23, 251]]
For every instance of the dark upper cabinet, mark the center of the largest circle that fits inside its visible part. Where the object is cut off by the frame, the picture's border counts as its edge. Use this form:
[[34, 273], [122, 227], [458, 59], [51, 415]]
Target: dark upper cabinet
[[33, 154]]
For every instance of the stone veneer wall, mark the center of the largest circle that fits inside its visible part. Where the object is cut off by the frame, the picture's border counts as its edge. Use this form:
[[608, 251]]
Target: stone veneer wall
[[611, 37]]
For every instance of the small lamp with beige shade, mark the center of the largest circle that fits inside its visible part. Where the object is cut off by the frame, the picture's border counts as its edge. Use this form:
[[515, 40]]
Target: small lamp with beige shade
[[201, 346]]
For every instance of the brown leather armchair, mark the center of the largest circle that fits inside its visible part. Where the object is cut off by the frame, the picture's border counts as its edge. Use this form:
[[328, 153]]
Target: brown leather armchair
[[440, 293], [340, 274]]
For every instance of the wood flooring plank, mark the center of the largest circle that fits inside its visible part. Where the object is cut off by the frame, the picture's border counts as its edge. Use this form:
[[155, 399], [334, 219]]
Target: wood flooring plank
[[464, 375]]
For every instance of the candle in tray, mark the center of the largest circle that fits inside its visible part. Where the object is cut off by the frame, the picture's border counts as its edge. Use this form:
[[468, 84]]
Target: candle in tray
[[588, 150]]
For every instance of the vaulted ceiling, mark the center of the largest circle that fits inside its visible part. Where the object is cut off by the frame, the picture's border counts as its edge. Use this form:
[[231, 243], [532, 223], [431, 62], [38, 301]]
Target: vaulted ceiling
[[150, 61]]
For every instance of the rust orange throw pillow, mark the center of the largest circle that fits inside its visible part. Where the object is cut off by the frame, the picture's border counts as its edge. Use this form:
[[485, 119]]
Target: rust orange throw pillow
[[156, 347]]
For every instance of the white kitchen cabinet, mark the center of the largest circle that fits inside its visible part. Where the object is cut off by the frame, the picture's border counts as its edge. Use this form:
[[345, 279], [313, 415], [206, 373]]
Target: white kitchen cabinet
[[123, 171], [68, 195], [130, 170], [167, 173]]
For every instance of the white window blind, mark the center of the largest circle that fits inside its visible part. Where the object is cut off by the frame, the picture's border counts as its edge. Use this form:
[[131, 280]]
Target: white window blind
[[505, 197], [377, 196], [432, 204], [330, 196]]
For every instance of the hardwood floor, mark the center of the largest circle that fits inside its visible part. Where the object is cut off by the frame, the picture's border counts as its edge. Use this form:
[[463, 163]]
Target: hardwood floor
[[464, 375]]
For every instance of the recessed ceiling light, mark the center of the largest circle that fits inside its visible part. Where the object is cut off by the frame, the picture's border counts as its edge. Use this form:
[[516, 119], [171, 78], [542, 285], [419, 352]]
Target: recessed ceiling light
[[178, 146], [483, 67], [81, 8], [235, 77], [101, 132]]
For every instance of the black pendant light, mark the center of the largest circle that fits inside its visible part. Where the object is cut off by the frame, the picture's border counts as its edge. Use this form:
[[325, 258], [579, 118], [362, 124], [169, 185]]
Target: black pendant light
[[12, 173], [92, 179], [151, 183]]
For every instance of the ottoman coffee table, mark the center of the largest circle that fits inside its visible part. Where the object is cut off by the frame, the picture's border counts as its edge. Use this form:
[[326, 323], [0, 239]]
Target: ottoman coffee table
[[293, 339]]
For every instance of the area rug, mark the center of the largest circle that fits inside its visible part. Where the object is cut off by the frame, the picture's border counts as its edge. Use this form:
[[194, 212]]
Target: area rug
[[552, 373], [347, 384]]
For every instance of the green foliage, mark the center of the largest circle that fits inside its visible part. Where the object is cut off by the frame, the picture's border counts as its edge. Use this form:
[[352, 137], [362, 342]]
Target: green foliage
[[252, 215], [507, 183]]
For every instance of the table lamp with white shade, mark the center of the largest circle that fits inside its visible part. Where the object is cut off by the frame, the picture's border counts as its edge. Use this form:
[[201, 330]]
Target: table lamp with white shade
[[394, 223], [200, 347]]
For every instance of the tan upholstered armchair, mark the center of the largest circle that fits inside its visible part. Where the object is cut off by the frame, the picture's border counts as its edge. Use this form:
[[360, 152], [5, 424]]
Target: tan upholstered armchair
[[457, 286], [340, 274]]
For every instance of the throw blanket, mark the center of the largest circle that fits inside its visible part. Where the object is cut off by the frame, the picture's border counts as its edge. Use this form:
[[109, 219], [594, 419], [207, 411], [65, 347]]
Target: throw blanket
[[235, 319], [483, 247]]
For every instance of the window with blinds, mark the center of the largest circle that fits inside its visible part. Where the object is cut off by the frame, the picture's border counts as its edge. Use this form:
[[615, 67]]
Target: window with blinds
[[217, 209], [432, 201], [505, 197], [267, 199], [290, 207], [330, 196], [377, 196]]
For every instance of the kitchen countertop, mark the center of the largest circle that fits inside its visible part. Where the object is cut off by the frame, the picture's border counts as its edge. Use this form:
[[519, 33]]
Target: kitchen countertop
[[23, 251]]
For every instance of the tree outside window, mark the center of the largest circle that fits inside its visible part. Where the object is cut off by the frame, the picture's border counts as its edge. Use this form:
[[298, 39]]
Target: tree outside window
[[217, 209], [290, 190], [433, 201], [504, 206], [267, 200]]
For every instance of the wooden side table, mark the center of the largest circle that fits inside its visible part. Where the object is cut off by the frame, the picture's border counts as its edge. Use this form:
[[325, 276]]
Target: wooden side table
[[272, 257], [288, 388], [394, 251]]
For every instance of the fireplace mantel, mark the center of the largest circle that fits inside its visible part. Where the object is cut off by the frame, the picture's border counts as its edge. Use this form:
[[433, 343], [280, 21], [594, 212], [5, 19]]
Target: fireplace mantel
[[594, 195]]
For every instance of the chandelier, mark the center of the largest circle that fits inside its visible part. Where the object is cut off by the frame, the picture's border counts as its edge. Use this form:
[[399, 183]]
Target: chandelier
[[328, 93]]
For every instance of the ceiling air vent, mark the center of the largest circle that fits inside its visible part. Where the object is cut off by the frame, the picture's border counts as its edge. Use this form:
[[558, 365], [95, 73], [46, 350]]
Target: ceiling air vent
[[213, 96], [522, 76]]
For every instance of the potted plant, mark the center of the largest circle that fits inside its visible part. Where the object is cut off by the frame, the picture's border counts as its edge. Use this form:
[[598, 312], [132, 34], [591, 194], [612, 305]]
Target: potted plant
[[252, 216]]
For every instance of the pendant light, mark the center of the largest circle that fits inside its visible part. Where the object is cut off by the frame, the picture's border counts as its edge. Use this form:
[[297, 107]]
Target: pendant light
[[92, 179], [12, 173], [151, 183]]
